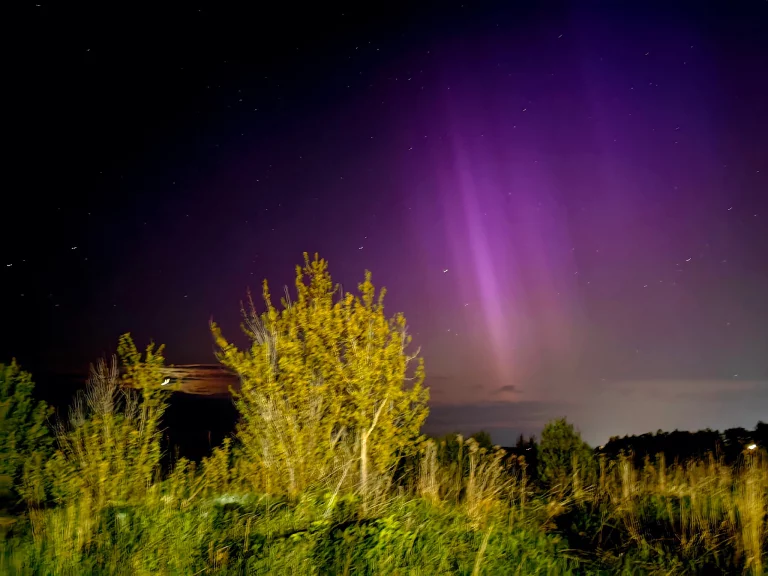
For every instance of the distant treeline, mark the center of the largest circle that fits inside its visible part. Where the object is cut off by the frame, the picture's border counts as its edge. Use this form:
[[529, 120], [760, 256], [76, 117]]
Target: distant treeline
[[681, 445], [678, 445]]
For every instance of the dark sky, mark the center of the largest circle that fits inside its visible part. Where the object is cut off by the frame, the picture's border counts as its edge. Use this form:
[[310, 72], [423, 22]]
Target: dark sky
[[569, 202]]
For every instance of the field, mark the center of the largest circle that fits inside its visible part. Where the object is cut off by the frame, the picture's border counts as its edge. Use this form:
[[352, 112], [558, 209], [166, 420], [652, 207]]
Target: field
[[471, 512], [328, 472]]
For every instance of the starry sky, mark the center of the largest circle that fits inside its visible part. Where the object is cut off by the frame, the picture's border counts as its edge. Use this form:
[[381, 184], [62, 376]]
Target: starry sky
[[569, 201]]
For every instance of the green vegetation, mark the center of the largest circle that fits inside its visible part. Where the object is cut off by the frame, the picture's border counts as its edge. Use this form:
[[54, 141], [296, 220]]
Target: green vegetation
[[323, 386], [328, 473], [562, 454], [25, 439]]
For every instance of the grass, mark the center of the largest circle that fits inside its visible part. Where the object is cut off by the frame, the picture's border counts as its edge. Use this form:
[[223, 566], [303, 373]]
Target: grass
[[100, 504], [475, 513]]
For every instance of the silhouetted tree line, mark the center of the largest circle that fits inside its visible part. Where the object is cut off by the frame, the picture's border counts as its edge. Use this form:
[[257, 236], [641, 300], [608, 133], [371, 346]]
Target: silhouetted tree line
[[682, 445], [675, 446]]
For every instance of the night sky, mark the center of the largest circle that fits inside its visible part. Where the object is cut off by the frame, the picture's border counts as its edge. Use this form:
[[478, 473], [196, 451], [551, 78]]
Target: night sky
[[569, 202]]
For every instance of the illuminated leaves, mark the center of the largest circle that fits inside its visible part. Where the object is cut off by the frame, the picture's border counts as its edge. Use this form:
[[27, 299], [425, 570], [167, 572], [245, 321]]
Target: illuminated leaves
[[327, 383]]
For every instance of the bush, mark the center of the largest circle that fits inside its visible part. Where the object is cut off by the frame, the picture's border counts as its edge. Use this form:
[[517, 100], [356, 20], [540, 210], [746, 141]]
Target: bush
[[109, 450], [563, 457], [25, 439]]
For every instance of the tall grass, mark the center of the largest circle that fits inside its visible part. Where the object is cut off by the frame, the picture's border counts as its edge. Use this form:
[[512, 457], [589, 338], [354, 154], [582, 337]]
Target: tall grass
[[473, 513], [704, 513], [452, 509]]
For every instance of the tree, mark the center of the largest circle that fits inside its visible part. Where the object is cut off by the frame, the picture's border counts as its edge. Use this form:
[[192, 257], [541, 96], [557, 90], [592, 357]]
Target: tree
[[563, 455], [483, 440], [327, 382], [109, 451], [529, 451], [24, 435], [761, 433]]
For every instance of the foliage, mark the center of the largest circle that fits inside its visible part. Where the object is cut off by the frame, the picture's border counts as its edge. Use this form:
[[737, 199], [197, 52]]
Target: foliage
[[483, 439], [328, 388], [562, 454], [455, 506], [460, 509], [109, 451], [683, 445], [25, 440], [259, 536], [528, 450], [700, 517]]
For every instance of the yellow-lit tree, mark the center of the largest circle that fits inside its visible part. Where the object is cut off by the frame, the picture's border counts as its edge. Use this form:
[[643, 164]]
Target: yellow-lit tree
[[328, 389], [109, 451]]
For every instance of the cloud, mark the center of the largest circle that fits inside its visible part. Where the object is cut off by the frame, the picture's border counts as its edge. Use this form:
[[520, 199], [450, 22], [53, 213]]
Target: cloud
[[509, 388]]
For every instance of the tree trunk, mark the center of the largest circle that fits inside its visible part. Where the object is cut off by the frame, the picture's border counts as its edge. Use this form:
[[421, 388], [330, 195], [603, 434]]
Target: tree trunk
[[364, 467], [364, 455]]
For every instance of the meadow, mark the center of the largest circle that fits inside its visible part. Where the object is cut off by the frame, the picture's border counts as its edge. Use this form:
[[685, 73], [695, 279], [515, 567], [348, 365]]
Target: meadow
[[469, 512], [339, 480]]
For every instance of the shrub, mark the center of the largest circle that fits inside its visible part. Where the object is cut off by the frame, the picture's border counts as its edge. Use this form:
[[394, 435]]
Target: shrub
[[109, 450], [563, 457], [25, 439]]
